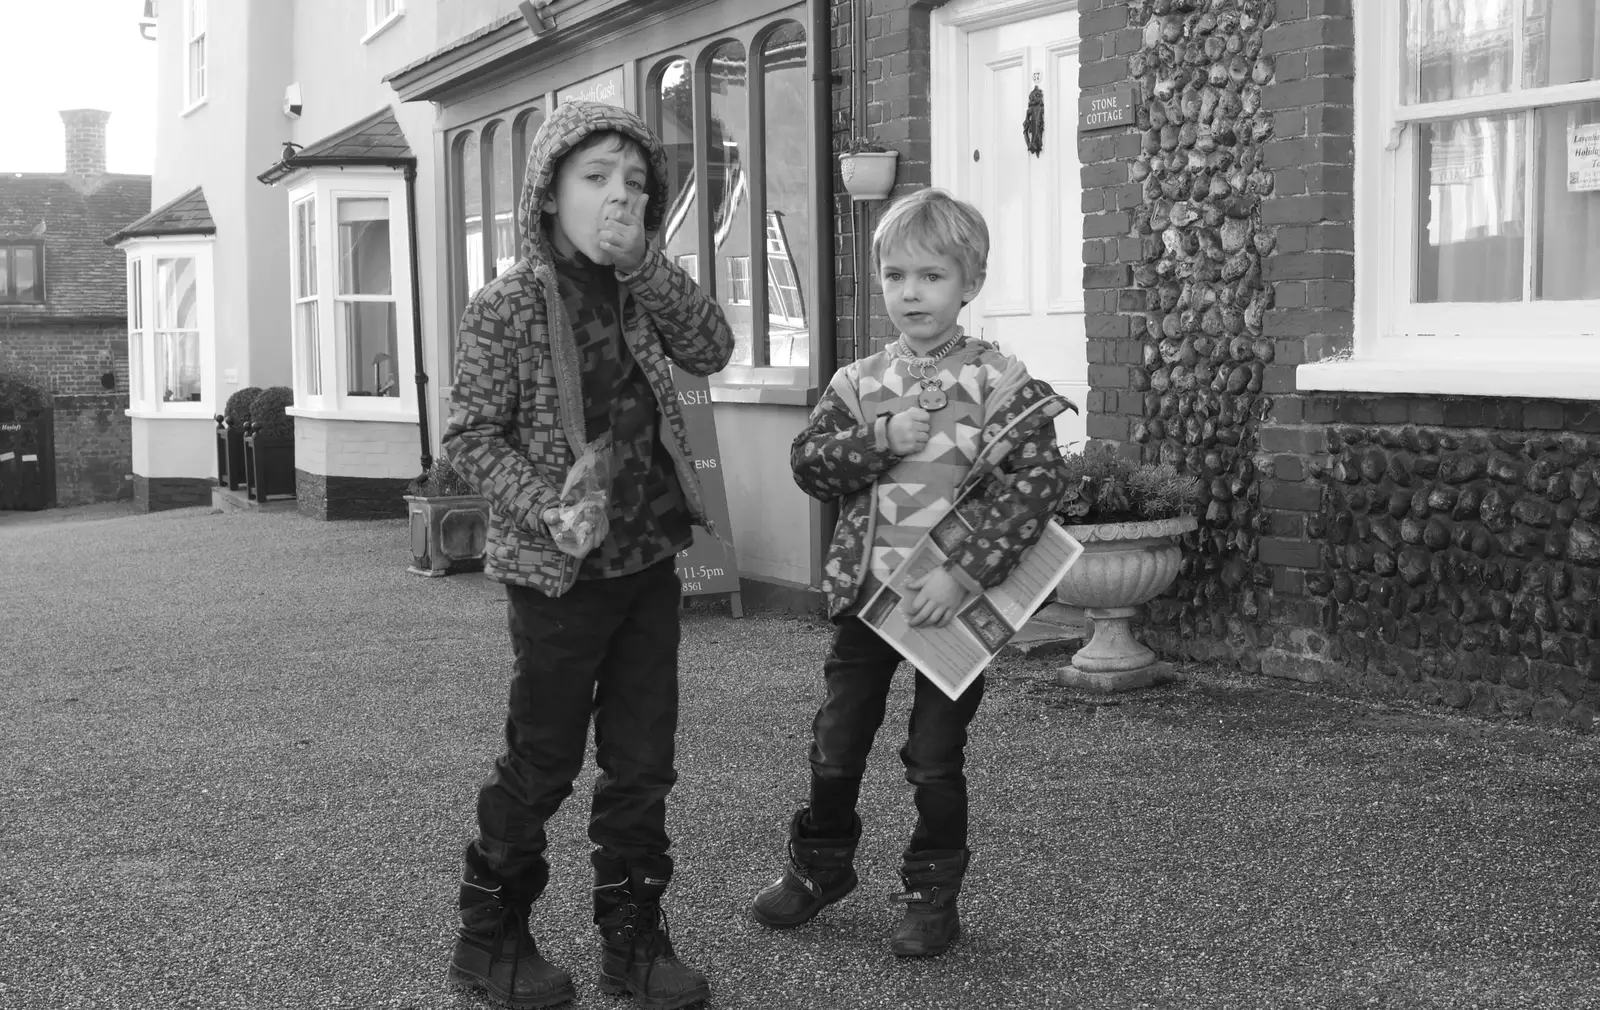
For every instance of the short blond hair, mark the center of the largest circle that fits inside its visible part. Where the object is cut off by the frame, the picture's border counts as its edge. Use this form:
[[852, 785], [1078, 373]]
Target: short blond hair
[[934, 221]]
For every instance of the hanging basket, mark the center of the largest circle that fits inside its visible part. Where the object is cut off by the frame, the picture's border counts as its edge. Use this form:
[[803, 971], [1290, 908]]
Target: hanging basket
[[868, 175]]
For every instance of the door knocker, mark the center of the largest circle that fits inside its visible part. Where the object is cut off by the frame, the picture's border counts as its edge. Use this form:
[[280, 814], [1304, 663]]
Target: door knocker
[[1033, 121]]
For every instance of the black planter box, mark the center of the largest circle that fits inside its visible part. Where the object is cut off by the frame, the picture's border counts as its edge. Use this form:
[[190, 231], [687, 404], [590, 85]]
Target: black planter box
[[230, 455], [269, 466]]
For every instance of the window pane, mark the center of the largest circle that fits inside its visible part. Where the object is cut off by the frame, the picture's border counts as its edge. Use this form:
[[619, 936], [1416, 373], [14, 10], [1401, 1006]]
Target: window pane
[[1563, 42], [1458, 48], [504, 240], [305, 238], [179, 367], [197, 69], [523, 130], [176, 305], [728, 140], [372, 349], [5, 274], [672, 115], [25, 273], [472, 211], [787, 85], [1471, 178], [364, 247], [308, 334], [135, 294], [1567, 254], [136, 388]]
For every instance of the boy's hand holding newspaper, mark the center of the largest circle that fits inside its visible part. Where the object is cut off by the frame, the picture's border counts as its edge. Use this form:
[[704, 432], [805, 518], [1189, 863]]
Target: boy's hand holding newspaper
[[938, 598], [908, 431]]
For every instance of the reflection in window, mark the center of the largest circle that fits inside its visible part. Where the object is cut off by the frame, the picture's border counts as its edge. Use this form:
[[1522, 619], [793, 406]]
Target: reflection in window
[[502, 242], [727, 141], [470, 178], [1470, 226], [738, 280], [672, 118], [1563, 42], [1458, 49], [177, 330], [786, 159], [366, 306], [689, 263], [1567, 255]]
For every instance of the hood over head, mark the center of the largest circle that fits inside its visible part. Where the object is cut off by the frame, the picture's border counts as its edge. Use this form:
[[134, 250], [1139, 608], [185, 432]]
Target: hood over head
[[566, 128]]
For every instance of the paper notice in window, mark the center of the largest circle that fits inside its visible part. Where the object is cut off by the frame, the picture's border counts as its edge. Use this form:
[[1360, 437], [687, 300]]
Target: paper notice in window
[[1583, 159], [6, 457], [954, 655]]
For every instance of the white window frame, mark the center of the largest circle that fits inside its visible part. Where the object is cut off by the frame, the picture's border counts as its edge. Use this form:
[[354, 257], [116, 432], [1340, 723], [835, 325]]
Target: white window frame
[[143, 350], [380, 15], [196, 87], [325, 186], [1526, 348]]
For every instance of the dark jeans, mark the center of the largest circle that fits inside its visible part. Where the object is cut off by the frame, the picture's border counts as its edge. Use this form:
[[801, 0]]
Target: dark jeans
[[858, 671], [608, 647]]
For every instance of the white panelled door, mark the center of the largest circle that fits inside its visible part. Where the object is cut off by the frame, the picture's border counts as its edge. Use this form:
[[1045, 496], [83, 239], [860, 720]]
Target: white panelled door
[[1032, 304]]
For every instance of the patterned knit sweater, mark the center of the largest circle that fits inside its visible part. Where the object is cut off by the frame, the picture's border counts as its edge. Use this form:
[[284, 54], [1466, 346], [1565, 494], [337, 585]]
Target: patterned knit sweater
[[890, 501]]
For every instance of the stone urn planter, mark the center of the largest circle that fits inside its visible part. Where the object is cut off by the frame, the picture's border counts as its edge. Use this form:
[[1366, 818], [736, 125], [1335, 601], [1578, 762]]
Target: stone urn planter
[[1124, 565], [449, 533], [868, 175]]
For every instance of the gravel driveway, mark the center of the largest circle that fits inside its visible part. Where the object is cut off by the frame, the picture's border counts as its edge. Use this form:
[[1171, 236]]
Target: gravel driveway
[[239, 753]]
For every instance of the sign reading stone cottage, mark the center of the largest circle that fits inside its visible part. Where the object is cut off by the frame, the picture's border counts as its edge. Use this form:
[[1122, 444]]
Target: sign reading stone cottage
[[1110, 108]]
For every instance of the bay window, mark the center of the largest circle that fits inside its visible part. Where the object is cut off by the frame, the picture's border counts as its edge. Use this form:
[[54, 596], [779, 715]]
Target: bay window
[[171, 331], [350, 295], [1477, 199]]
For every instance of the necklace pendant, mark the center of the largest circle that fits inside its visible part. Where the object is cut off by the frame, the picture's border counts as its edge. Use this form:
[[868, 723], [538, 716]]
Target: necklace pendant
[[931, 397]]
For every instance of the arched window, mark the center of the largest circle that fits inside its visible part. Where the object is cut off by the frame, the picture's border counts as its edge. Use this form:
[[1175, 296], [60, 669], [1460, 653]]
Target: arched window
[[470, 174], [785, 147], [671, 116], [726, 73]]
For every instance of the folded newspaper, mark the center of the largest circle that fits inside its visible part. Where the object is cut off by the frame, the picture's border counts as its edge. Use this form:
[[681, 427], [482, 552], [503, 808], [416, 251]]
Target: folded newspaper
[[954, 655]]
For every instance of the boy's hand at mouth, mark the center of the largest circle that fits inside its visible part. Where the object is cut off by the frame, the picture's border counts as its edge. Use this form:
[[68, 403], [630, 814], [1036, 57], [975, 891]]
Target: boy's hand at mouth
[[622, 233]]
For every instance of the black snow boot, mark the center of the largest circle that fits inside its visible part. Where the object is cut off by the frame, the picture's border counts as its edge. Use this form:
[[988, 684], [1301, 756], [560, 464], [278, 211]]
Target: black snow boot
[[495, 953], [636, 955], [820, 872], [932, 879]]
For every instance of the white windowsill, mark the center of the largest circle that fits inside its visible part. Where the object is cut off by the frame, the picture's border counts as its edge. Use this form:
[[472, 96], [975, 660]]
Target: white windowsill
[[193, 107], [347, 414], [190, 412], [382, 26], [1538, 380]]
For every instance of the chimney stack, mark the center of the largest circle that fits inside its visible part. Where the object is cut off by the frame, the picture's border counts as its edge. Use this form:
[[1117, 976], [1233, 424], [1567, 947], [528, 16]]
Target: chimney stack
[[86, 141]]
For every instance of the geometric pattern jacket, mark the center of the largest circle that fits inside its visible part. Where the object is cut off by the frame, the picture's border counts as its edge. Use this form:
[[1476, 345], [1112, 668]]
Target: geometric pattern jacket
[[516, 408], [842, 455]]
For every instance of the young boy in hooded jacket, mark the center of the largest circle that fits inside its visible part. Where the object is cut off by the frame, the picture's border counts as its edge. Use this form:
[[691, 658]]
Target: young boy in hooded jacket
[[575, 341], [892, 438]]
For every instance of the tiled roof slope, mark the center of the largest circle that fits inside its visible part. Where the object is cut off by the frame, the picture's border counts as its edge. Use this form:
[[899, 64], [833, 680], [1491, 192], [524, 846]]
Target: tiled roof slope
[[83, 278], [375, 139], [186, 215]]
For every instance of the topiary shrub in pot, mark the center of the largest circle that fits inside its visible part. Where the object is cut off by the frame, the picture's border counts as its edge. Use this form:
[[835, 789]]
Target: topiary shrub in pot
[[449, 523], [1128, 517], [230, 437], [269, 445]]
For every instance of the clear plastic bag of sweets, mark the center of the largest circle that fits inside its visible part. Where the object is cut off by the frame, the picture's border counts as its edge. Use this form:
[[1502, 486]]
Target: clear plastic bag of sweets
[[581, 522]]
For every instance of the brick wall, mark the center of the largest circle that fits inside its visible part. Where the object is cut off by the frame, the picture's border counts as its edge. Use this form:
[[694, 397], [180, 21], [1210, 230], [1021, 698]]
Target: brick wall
[[895, 112], [93, 434], [68, 360]]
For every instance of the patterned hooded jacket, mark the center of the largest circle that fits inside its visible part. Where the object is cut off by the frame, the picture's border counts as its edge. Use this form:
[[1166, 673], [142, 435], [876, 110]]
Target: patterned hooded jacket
[[516, 411], [840, 455]]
